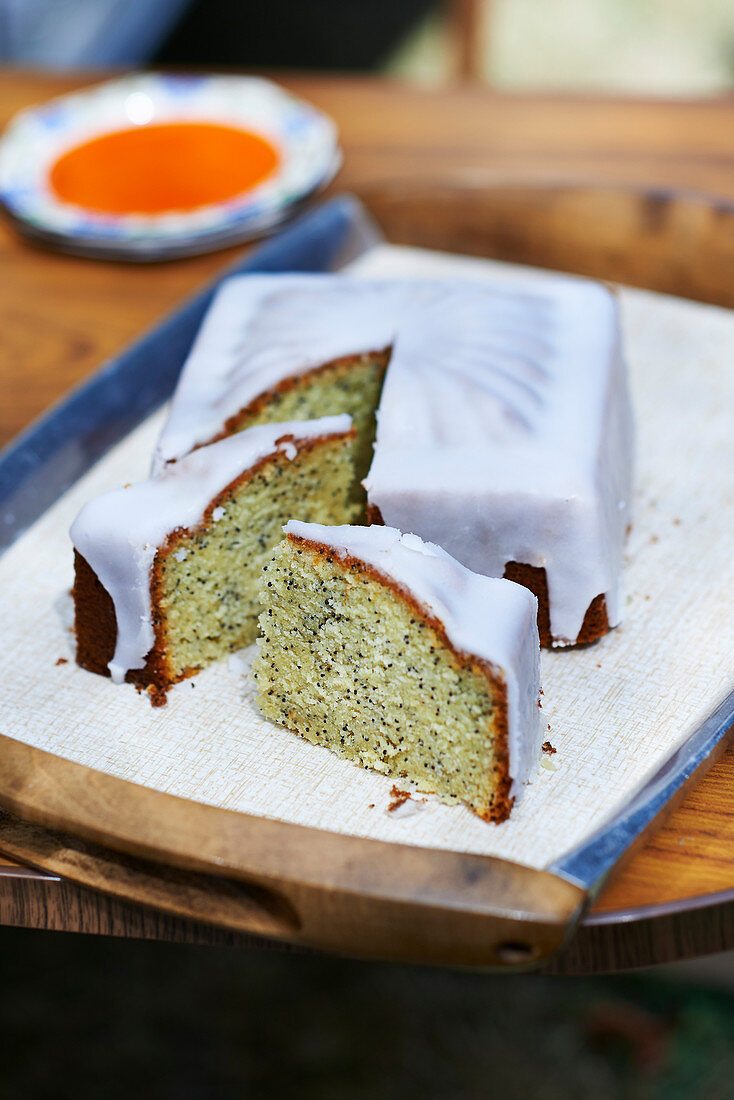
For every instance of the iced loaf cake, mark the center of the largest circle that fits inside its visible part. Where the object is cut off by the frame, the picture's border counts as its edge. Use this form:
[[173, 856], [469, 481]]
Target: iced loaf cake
[[504, 431]]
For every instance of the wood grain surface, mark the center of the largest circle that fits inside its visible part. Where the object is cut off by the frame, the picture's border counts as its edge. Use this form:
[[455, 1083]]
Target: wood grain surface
[[662, 239], [62, 317], [306, 886]]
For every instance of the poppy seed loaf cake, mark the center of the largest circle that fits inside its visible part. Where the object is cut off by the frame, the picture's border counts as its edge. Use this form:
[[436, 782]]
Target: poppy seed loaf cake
[[384, 649], [167, 572], [504, 428]]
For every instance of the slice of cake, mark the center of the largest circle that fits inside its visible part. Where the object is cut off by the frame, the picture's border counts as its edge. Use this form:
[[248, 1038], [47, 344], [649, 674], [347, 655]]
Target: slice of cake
[[167, 572], [386, 650], [504, 424]]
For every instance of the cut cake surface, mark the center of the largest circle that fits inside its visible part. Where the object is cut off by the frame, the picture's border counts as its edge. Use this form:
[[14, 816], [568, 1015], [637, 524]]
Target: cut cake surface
[[384, 649]]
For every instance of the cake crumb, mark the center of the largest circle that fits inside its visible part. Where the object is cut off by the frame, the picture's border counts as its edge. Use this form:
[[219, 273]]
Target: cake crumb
[[398, 798], [547, 747], [404, 804], [62, 661]]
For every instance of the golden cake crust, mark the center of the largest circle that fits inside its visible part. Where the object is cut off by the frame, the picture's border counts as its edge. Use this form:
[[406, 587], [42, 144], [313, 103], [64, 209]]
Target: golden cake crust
[[596, 621]]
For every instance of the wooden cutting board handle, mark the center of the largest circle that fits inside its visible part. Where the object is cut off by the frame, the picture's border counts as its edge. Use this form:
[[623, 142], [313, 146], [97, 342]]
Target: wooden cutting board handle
[[184, 893], [322, 890]]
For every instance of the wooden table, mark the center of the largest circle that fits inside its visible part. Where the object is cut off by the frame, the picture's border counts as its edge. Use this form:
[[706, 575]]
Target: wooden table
[[61, 317]]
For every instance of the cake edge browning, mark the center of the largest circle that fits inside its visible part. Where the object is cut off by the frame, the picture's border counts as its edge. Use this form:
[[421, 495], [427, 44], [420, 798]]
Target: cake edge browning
[[95, 622], [502, 801], [534, 578], [95, 627]]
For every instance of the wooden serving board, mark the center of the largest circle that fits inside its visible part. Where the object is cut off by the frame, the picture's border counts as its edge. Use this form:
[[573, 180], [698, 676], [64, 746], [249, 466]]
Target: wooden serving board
[[312, 835]]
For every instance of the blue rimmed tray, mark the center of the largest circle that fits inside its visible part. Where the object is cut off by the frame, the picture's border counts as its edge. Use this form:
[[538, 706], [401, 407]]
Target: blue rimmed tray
[[331, 890]]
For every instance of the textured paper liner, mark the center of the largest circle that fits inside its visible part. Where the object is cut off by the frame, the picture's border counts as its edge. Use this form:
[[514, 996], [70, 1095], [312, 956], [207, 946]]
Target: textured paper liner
[[616, 709]]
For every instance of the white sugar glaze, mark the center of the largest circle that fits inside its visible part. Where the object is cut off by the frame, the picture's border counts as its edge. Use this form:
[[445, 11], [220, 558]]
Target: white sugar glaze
[[119, 533], [504, 428], [519, 442], [493, 620]]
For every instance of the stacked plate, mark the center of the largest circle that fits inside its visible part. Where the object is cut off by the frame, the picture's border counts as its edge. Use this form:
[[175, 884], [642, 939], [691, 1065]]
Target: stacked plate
[[304, 139]]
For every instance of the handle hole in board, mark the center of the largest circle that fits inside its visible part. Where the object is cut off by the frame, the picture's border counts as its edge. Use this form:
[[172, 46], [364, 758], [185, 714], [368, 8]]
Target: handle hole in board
[[515, 953]]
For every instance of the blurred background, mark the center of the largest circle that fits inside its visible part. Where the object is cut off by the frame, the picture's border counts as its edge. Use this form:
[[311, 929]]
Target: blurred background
[[660, 47], [85, 1016]]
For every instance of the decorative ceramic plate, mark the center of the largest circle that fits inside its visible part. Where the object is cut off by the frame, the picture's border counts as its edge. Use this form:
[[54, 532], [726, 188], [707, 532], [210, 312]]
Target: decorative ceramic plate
[[303, 138]]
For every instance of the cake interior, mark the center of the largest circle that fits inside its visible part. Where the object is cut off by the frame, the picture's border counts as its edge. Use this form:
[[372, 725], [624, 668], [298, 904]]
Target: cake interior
[[352, 385], [350, 662], [206, 582]]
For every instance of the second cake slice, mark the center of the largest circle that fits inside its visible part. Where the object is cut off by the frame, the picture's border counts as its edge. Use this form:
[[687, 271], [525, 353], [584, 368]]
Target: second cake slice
[[167, 572], [384, 649]]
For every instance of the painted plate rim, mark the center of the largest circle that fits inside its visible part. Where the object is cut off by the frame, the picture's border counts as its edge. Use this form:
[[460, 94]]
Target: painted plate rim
[[305, 137]]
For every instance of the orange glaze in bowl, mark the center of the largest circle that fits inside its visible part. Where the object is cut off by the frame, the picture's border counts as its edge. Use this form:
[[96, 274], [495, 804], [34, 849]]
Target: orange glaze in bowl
[[160, 169]]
